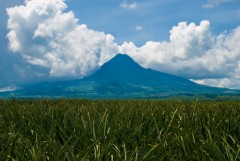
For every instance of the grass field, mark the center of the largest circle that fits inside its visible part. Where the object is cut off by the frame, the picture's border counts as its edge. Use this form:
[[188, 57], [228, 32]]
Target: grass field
[[119, 130]]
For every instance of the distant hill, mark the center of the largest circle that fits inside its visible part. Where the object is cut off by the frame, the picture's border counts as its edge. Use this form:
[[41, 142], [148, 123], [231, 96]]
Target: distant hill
[[121, 77]]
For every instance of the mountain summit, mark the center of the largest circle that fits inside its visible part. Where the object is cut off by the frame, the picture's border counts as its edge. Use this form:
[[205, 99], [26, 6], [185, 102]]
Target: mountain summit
[[123, 69], [121, 77], [121, 61]]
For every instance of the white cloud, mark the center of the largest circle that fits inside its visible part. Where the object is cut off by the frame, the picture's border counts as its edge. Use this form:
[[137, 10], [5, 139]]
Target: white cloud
[[187, 44], [233, 83], [213, 3], [48, 37], [128, 5], [192, 52], [8, 89], [138, 28]]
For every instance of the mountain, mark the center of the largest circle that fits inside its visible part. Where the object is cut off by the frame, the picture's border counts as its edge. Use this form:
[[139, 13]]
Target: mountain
[[121, 77]]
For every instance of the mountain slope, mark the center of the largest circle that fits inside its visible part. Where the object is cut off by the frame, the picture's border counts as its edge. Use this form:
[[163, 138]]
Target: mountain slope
[[121, 77]]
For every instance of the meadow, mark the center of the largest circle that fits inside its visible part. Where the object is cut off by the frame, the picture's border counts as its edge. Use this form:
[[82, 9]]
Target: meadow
[[112, 130]]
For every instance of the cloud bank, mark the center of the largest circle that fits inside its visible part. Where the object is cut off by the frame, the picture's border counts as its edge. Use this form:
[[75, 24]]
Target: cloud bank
[[191, 52], [47, 36]]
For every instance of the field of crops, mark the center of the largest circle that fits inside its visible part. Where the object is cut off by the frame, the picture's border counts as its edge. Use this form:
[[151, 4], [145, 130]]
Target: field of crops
[[119, 130]]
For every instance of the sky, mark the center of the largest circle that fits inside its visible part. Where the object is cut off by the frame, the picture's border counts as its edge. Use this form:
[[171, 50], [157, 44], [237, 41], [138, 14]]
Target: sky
[[69, 39]]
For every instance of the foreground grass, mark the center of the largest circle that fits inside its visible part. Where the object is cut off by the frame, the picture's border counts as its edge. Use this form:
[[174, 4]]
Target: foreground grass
[[119, 130]]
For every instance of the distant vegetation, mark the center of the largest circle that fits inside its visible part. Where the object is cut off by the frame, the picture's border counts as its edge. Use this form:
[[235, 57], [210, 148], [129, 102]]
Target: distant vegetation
[[119, 130]]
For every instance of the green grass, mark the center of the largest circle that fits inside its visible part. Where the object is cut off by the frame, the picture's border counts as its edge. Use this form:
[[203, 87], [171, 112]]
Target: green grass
[[119, 130]]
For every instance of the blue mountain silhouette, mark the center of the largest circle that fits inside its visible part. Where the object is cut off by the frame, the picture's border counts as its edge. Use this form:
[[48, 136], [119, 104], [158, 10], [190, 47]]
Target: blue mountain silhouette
[[122, 77]]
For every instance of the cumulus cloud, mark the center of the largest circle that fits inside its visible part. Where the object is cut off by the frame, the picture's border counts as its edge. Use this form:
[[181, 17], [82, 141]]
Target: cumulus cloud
[[47, 36], [130, 6], [213, 3], [185, 54], [192, 52]]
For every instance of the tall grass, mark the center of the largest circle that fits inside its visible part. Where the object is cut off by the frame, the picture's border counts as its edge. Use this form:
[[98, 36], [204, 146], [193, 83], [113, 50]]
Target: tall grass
[[119, 130]]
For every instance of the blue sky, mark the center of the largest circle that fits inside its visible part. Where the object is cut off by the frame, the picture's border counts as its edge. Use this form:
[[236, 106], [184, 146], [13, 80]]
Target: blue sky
[[197, 39], [156, 17]]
